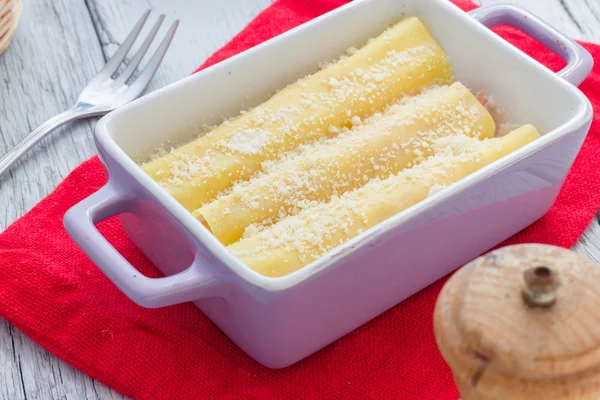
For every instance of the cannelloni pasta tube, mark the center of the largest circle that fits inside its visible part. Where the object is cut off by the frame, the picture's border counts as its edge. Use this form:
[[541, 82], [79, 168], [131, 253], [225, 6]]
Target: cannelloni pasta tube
[[295, 241]]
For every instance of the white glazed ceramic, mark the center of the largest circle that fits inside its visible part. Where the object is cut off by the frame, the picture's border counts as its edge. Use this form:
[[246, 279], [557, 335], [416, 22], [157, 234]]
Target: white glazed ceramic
[[279, 321]]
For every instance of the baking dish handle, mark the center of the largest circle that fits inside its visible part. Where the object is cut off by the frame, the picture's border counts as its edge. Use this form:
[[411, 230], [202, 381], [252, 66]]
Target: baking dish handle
[[80, 223], [579, 61]]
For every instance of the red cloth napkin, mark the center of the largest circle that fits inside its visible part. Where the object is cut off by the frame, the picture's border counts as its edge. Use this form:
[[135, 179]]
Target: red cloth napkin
[[54, 294]]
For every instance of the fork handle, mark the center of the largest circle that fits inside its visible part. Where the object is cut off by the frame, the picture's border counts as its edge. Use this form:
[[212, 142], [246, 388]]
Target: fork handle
[[34, 137]]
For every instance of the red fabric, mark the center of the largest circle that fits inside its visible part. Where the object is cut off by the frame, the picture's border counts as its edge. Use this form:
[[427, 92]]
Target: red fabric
[[54, 294]]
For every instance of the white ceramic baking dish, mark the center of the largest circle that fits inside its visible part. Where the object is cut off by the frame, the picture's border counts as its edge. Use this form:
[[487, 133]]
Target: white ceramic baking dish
[[279, 321]]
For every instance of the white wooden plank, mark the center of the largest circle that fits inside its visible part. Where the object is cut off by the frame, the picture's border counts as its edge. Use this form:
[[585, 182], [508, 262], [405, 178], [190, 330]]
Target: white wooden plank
[[205, 26], [586, 15], [41, 72], [53, 54], [579, 19], [589, 243], [10, 376]]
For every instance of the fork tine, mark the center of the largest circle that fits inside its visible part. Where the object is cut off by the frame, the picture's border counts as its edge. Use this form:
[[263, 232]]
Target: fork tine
[[142, 81], [113, 64], [135, 61]]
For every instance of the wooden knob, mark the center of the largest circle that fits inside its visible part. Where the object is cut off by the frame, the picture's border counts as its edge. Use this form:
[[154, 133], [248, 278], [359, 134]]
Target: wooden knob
[[541, 284], [522, 322]]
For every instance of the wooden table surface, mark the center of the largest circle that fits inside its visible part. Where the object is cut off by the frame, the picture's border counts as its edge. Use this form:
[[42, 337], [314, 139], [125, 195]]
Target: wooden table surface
[[58, 46]]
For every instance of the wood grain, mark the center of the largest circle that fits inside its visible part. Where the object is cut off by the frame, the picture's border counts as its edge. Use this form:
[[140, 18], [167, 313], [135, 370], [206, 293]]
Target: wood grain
[[40, 73], [58, 46], [552, 350], [10, 13]]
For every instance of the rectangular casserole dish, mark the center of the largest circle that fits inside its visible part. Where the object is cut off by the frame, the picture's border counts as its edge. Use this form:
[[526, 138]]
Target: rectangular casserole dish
[[278, 321]]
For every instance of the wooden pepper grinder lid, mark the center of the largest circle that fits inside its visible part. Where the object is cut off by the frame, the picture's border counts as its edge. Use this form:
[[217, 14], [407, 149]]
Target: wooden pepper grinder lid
[[523, 322]]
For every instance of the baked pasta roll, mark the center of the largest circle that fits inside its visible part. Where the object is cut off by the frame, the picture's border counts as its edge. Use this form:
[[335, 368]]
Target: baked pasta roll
[[298, 240]]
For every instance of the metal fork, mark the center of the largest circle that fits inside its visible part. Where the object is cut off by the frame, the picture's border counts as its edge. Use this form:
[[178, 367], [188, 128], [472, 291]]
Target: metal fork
[[104, 93]]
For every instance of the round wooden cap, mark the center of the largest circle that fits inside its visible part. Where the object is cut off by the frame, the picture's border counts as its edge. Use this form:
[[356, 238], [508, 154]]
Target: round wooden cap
[[523, 322]]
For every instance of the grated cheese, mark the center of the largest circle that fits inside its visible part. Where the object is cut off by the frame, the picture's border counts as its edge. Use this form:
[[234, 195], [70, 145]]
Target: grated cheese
[[315, 230], [248, 141]]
